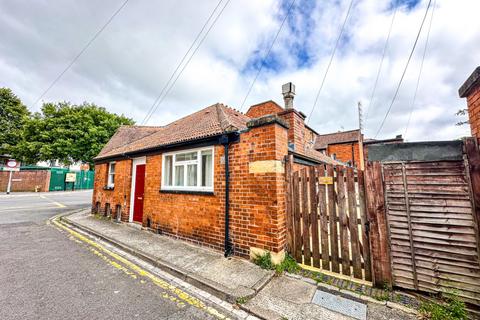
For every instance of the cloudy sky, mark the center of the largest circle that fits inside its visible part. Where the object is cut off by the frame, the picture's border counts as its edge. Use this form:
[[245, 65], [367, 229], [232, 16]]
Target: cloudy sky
[[127, 66]]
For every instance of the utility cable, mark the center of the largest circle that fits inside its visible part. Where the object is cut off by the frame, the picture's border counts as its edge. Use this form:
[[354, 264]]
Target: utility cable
[[420, 71], [331, 60], [181, 61], [85, 47], [162, 98], [372, 96], [404, 70], [267, 54]]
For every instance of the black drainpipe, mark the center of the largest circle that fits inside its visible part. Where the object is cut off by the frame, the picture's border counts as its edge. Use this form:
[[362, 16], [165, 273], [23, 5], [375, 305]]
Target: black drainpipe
[[228, 242]]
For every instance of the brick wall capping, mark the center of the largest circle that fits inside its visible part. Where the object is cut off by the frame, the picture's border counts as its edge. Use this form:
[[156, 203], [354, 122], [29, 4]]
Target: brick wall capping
[[471, 83], [199, 193], [266, 120], [299, 113]]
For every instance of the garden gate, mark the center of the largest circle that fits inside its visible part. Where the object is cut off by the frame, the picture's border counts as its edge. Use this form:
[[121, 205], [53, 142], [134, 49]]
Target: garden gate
[[326, 220]]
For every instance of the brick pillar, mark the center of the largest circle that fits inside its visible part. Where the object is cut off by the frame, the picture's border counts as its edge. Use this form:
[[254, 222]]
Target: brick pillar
[[471, 90], [296, 128], [258, 198]]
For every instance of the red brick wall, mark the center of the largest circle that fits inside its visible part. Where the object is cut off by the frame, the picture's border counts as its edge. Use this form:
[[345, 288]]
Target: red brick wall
[[120, 195], [263, 109], [26, 180], [257, 200], [473, 102], [296, 130], [344, 152]]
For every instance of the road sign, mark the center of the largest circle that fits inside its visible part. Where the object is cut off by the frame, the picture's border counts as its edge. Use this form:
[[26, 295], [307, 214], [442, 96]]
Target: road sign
[[11, 165], [70, 177]]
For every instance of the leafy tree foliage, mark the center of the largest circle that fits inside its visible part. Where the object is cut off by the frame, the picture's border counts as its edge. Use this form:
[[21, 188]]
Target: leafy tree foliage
[[13, 115], [67, 132]]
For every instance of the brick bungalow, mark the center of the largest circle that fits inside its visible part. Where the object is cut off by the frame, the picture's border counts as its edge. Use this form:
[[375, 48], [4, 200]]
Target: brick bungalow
[[215, 177]]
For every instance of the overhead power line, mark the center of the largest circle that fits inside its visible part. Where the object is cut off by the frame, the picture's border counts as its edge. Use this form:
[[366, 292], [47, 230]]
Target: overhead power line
[[85, 47], [420, 71], [147, 116], [330, 62], [372, 96], [404, 70], [267, 54]]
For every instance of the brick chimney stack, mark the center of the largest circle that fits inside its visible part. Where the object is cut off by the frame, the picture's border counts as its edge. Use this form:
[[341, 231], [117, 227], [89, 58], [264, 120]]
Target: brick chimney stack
[[471, 90], [288, 91]]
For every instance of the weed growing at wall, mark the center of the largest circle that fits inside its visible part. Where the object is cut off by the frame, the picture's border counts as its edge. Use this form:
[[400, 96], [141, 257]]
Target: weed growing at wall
[[451, 308]]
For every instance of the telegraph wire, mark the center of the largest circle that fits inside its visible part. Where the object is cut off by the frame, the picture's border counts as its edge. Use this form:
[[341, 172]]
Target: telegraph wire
[[420, 71], [147, 116], [267, 54], [87, 45], [186, 63], [404, 70], [330, 62], [372, 96]]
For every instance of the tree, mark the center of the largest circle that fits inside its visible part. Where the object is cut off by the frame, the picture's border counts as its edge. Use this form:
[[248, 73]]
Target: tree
[[67, 132], [13, 115]]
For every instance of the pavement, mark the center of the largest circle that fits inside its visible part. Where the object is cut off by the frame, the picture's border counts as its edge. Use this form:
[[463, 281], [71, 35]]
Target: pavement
[[228, 279], [258, 291], [49, 272]]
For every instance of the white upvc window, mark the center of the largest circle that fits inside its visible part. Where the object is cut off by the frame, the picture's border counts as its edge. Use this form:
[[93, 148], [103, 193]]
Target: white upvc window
[[111, 175], [188, 170]]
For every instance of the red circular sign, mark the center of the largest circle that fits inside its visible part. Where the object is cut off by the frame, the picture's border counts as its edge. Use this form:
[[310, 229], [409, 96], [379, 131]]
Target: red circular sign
[[11, 163]]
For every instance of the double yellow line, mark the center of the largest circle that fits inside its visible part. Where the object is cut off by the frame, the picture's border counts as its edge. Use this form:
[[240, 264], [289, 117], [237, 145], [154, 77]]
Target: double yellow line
[[170, 292]]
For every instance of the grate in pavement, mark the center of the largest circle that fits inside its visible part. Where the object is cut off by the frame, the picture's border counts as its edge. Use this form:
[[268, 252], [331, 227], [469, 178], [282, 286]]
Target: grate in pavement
[[341, 305]]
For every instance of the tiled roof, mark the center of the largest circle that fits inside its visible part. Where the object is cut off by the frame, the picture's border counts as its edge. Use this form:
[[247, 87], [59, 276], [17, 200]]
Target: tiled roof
[[210, 121], [317, 155], [323, 140]]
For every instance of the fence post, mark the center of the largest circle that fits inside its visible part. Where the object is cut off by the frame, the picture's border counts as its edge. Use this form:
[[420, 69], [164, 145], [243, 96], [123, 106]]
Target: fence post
[[473, 159], [289, 220], [377, 219]]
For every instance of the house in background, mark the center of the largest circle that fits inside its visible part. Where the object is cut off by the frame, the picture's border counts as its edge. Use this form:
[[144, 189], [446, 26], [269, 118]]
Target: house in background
[[349, 147], [215, 177]]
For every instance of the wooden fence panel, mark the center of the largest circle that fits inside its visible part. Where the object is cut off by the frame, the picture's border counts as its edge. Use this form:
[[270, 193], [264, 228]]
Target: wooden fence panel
[[433, 233], [333, 217]]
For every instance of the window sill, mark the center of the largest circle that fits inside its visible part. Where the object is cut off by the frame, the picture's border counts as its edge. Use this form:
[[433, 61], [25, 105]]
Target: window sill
[[206, 193], [108, 188]]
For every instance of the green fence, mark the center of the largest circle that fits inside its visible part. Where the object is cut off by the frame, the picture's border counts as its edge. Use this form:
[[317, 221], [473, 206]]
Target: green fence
[[83, 180]]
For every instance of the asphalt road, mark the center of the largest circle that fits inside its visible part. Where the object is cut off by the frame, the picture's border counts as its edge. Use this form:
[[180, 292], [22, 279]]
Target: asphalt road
[[45, 274]]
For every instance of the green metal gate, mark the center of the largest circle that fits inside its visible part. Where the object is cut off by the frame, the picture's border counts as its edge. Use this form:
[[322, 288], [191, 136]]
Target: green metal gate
[[83, 180], [57, 179]]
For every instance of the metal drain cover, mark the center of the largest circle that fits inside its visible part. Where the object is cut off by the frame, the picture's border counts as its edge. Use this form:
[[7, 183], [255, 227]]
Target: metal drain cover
[[341, 305]]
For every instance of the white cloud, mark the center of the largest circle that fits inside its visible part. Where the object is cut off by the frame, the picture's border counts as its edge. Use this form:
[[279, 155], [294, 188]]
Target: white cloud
[[126, 67]]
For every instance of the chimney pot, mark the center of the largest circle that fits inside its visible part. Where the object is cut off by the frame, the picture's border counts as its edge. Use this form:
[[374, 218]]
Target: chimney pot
[[288, 92]]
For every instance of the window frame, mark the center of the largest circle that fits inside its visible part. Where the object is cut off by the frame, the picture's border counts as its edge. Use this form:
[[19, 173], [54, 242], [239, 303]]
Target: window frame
[[111, 184], [185, 164]]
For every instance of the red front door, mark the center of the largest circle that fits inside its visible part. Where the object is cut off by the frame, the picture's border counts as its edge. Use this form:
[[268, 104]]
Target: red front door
[[139, 190]]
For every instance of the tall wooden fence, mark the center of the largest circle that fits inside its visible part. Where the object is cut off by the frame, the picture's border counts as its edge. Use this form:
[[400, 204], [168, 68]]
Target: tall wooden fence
[[408, 224], [432, 230], [327, 226]]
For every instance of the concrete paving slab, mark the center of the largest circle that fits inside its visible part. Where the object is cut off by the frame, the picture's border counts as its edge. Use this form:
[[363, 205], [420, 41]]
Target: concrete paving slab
[[228, 279], [341, 305], [284, 297]]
